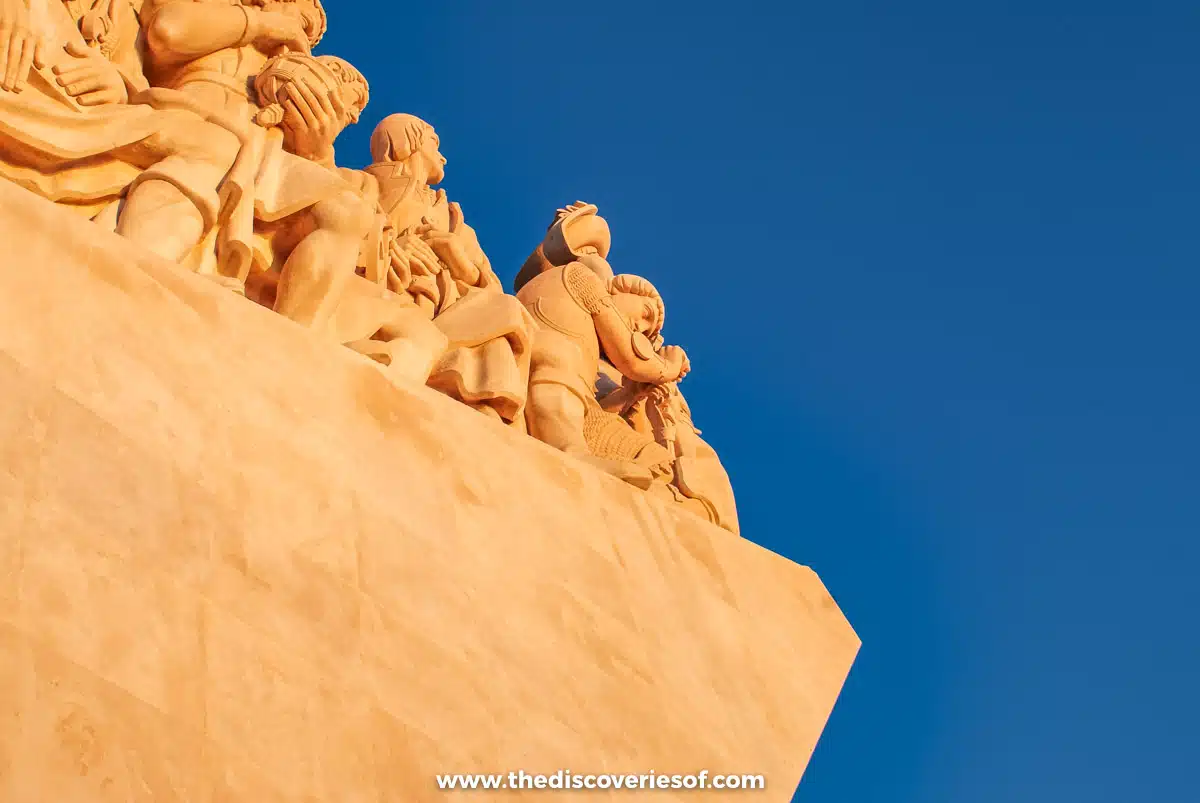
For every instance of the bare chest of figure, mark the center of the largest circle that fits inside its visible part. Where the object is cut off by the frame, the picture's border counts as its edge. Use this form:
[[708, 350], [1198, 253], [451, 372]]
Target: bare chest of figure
[[223, 80]]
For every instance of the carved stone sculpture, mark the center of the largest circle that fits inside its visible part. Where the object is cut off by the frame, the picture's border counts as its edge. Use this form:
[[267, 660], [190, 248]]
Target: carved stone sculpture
[[204, 510], [217, 152], [697, 479], [434, 258], [577, 233], [627, 415], [239, 568], [289, 72], [294, 214], [583, 312], [69, 133]]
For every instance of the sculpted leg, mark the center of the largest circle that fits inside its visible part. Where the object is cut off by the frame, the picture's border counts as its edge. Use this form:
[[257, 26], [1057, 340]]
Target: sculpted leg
[[315, 275], [409, 345], [162, 219], [555, 416], [185, 162], [696, 507]]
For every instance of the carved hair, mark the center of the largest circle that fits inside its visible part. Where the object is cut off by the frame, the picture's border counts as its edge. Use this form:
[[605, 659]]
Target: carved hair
[[398, 137], [637, 286], [348, 74]]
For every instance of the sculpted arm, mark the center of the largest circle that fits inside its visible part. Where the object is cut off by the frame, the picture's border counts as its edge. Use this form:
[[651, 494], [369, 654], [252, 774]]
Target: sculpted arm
[[20, 45], [630, 352], [179, 31], [641, 364]]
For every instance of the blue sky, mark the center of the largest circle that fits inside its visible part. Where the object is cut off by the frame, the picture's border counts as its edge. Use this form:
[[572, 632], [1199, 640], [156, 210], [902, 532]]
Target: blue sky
[[936, 267]]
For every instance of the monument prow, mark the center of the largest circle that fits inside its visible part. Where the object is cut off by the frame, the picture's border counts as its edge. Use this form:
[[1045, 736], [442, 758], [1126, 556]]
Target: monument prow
[[238, 562]]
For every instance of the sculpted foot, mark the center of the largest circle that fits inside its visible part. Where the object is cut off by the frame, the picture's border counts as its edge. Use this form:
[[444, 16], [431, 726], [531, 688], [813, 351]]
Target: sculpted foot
[[404, 360], [228, 282], [635, 475]]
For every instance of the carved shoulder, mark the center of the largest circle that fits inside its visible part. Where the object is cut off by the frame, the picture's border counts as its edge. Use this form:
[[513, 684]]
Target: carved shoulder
[[586, 288]]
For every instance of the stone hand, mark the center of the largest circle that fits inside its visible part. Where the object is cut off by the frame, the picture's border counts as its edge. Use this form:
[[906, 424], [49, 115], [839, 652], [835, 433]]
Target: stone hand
[[637, 391], [90, 78], [450, 251], [277, 31], [20, 49], [661, 394], [677, 364], [312, 121], [419, 257]]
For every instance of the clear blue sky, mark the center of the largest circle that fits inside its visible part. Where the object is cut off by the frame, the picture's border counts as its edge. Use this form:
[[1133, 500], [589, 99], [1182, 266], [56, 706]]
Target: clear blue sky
[[937, 266]]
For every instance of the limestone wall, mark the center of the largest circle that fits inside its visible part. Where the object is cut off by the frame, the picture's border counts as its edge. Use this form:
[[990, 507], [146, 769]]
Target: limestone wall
[[237, 564]]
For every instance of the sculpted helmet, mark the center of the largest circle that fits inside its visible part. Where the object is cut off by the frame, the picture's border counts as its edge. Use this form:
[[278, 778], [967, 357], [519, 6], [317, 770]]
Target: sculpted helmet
[[577, 234]]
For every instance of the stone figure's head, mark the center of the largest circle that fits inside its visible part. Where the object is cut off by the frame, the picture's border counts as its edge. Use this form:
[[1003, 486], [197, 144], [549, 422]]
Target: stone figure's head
[[640, 304], [355, 90], [321, 74], [411, 141]]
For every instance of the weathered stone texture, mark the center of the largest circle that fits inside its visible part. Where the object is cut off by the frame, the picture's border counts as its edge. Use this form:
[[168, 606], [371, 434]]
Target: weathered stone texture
[[238, 564]]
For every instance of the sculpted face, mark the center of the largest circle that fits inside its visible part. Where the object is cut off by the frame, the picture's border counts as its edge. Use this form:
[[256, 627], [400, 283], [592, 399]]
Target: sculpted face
[[355, 99], [639, 311], [431, 150], [409, 140]]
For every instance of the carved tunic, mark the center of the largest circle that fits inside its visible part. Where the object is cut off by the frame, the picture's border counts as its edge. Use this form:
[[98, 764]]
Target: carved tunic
[[490, 333], [272, 184], [86, 158]]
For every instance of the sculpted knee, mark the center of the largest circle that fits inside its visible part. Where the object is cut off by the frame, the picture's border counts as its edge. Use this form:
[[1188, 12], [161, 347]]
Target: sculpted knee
[[184, 134], [346, 213]]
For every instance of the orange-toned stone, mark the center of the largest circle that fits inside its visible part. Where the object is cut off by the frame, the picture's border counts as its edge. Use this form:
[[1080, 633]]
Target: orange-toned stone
[[239, 563]]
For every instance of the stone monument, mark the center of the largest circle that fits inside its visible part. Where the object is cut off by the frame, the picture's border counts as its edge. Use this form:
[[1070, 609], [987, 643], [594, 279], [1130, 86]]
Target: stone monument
[[297, 503]]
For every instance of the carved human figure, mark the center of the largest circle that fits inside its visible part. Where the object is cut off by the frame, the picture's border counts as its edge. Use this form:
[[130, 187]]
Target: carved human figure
[[294, 213], [435, 258], [69, 133], [697, 479], [635, 424], [386, 326], [584, 314]]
